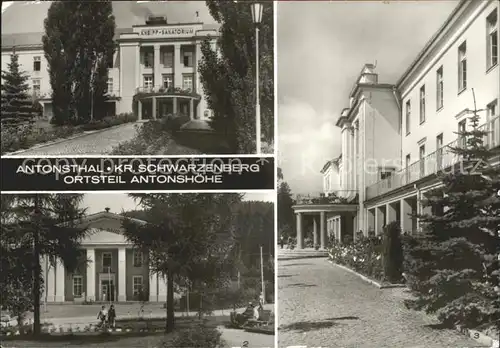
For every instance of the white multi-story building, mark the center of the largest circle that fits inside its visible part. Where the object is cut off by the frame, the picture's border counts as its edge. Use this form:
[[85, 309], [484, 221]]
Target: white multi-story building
[[154, 71], [395, 138]]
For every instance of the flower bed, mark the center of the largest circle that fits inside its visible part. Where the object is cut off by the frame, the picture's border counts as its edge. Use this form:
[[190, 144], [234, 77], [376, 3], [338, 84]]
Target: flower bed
[[363, 256]]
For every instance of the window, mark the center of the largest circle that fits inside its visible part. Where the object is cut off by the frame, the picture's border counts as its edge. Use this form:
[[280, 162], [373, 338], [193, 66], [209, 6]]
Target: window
[[408, 117], [148, 82], [168, 59], [492, 39], [168, 81], [36, 87], [137, 285], [439, 88], [462, 139], [106, 262], [37, 63], [407, 163], [421, 155], [148, 59], [187, 59], [109, 86], [422, 104], [439, 151], [77, 286], [187, 82], [385, 175], [137, 258], [462, 67]]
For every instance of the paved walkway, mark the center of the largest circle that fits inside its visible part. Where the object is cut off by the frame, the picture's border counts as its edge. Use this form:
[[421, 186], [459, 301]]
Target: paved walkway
[[93, 143], [321, 305], [240, 338]]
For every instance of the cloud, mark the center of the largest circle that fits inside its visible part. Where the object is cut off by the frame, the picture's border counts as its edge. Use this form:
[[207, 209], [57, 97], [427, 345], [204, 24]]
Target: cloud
[[307, 140]]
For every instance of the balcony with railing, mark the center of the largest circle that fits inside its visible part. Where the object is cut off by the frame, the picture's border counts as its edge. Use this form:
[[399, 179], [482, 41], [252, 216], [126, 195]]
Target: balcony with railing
[[162, 91], [334, 197], [433, 163]]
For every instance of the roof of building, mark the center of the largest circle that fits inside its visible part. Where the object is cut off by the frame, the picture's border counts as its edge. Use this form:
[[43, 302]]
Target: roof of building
[[127, 14], [329, 163], [434, 39], [106, 215]]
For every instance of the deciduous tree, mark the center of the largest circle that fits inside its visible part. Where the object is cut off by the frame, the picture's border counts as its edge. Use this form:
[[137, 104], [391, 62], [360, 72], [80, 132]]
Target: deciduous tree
[[79, 46], [228, 74]]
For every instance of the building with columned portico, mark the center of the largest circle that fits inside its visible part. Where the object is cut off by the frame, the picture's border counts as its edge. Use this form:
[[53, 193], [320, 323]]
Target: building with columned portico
[[397, 138], [114, 271], [154, 71]]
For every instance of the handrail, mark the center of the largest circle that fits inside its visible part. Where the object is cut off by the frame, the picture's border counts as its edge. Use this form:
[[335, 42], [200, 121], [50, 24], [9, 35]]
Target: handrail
[[163, 89], [434, 162]]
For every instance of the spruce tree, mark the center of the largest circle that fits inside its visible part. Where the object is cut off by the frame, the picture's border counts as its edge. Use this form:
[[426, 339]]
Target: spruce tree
[[452, 267], [17, 104]]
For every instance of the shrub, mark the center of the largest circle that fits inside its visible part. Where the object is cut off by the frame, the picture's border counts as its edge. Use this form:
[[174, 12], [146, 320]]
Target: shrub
[[175, 122], [199, 336], [392, 255]]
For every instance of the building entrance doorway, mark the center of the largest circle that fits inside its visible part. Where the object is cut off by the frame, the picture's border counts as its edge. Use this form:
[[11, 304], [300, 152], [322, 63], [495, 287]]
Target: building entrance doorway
[[107, 289]]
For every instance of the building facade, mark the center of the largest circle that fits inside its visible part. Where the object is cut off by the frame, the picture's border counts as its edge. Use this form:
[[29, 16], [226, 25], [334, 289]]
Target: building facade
[[397, 137], [154, 71], [113, 272]]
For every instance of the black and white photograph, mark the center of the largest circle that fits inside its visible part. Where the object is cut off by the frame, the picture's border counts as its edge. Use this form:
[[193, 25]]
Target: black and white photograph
[[388, 197], [138, 270], [137, 78]]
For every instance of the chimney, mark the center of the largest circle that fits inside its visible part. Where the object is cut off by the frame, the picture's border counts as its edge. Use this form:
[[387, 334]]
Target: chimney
[[107, 210], [368, 75]]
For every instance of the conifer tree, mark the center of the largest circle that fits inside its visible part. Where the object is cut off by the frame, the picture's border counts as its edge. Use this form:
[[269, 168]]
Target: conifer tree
[[452, 267], [17, 104]]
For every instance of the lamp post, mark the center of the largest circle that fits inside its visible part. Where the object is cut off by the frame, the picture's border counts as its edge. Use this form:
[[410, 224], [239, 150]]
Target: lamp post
[[257, 9]]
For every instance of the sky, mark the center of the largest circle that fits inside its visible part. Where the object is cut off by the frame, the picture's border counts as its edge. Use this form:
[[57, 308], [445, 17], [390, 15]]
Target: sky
[[118, 202], [321, 49]]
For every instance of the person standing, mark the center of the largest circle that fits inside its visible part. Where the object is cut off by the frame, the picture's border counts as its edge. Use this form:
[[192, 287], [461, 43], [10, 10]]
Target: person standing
[[282, 241], [102, 316], [112, 316]]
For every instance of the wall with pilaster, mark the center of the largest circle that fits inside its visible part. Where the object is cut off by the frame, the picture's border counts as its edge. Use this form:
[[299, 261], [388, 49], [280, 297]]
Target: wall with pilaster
[[81, 270], [128, 73], [135, 271]]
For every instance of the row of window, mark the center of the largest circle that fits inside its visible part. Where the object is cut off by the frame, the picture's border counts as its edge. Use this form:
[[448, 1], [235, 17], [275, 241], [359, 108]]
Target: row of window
[[491, 108], [107, 258], [137, 285], [491, 61], [167, 59], [168, 81]]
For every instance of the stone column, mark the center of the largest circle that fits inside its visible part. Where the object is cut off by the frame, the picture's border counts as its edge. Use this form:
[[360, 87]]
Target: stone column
[[355, 162], [300, 241], [153, 287], [339, 228], [139, 110], [322, 230], [90, 294], [315, 231], [60, 279], [138, 82], [379, 220], [371, 217], [50, 282], [122, 275], [177, 66], [153, 103], [191, 109], [174, 105], [162, 289], [197, 58], [156, 67], [406, 219]]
